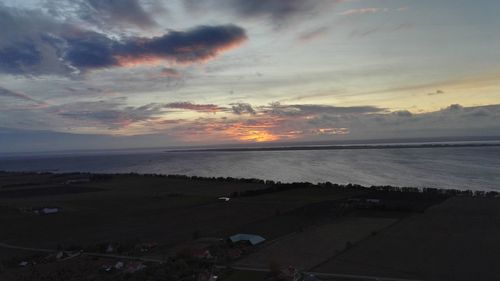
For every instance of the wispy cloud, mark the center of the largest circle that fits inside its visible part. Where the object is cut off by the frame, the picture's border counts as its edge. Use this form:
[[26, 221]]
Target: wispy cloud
[[243, 108], [204, 108], [278, 11], [313, 34], [21, 96], [371, 10], [438, 92]]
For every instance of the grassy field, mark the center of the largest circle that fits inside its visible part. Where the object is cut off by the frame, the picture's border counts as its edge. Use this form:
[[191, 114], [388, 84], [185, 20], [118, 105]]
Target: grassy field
[[411, 235], [456, 240], [128, 207], [317, 244], [245, 276]]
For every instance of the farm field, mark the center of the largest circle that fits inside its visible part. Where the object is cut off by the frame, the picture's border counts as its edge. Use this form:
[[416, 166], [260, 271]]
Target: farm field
[[316, 244], [456, 240], [342, 232]]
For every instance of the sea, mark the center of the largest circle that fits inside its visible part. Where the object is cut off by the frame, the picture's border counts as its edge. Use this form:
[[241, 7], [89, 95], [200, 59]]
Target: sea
[[474, 168]]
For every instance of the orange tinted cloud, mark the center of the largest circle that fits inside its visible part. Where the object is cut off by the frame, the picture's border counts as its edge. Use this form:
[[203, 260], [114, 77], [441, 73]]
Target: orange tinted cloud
[[264, 129], [197, 45]]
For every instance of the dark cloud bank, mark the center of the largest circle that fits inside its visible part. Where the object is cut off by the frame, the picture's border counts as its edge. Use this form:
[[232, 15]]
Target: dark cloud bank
[[35, 45], [277, 10]]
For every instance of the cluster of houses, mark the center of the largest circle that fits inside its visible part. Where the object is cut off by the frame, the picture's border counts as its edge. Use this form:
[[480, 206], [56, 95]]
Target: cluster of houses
[[208, 253]]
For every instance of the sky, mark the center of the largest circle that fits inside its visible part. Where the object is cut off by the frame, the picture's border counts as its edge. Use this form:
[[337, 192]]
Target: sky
[[100, 74]]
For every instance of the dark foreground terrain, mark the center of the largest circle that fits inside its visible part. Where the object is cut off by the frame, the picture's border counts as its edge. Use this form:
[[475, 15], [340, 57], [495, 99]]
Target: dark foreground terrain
[[149, 227]]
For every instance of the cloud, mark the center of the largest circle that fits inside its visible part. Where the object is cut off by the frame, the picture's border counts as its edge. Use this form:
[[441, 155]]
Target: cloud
[[24, 44], [242, 108], [314, 109], [278, 11], [66, 49], [371, 10], [105, 12], [438, 92], [204, 108], [454, 108], [403, 113], [363, 11], [195, 45], [170, 72], [110, 113], [14, 59], [315, 123], [18, 95], [312, 35], [107, 15], [89, 50]]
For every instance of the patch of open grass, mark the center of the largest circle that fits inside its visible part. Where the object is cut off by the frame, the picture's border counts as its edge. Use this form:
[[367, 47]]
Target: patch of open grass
[[245, 276]]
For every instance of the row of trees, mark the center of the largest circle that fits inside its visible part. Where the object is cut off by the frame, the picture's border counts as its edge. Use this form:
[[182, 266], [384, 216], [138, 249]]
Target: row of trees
[[276, 186]]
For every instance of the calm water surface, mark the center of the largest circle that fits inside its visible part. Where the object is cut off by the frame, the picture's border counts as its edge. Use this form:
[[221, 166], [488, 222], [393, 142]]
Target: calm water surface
[[461, 168]]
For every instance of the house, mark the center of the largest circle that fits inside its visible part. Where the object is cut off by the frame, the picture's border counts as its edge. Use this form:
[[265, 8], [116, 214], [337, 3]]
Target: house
[[251, 238]]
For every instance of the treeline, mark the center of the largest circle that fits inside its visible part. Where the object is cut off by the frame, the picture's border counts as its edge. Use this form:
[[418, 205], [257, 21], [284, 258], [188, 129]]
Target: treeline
[[278, 186]]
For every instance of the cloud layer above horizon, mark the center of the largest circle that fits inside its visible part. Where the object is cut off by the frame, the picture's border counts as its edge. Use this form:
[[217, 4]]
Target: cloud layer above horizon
[[208, 71]]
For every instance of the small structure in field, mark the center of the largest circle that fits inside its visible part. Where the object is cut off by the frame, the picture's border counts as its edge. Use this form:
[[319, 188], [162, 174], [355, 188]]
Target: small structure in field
[[119, 265], [47, 211], [110, 248], [78, 181], [250, 238], [224, 199]]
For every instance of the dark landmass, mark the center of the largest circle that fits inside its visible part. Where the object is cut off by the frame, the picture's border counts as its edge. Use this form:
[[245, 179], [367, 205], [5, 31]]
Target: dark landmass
[[257, 146], [341, 147], [86, 227]]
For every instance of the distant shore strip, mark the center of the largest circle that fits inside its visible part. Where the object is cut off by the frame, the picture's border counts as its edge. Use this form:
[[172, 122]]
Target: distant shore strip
[[340, 147]]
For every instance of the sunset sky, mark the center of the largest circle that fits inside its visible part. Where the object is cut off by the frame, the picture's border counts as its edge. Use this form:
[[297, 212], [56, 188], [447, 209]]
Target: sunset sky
[[87, 74]]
